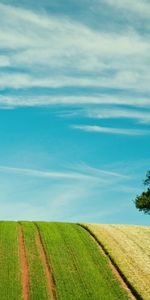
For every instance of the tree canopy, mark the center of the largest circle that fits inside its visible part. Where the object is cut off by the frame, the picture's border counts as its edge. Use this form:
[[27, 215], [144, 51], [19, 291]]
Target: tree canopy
[[147, 179], [142, 202]]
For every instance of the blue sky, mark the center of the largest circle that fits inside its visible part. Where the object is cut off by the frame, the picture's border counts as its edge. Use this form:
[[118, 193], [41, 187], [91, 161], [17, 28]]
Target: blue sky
[[74, 109]]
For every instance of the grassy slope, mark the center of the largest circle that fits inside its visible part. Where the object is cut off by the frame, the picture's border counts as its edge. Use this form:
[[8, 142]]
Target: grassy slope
[[80, 270], [10, 267], [129, 246], [37, 277]]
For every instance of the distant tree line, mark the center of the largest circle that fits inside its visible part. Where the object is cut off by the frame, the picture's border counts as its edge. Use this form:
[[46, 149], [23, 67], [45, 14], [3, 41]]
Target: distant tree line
[[142, 202]]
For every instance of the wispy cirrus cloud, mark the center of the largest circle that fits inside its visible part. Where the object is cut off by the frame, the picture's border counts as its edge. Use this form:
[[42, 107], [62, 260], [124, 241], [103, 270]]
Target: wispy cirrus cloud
[[44, 174], [90, 59], [98, 98], [109, 111], [57, 51], [43, 50], [105, 173], [81, 171], [115, 113], [77, 174], [137, 7], [72, 189], [111, 130]]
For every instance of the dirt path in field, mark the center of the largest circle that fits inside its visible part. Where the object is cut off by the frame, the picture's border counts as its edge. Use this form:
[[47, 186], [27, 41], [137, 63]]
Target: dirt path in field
[[48, 272], [24, 266], [124, 283]]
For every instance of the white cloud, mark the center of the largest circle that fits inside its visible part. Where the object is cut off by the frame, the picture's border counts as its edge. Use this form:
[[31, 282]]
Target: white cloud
[[4, 61], [57, 51], [140, 116], [23, 198], [14, 101], [29, 29], [109, 174], [68, 175], [138, 7], [34, 199], [120, 131], [42, 174]]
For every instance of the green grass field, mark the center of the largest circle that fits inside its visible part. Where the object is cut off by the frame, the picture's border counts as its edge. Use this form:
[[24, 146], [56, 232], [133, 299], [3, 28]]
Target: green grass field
[[10, 267], [80, 270], [64, 262], [37, 277]]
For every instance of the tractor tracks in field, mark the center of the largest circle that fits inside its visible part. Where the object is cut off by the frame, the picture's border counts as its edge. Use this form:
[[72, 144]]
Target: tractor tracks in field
[[124, 283], [44, 259], [24, 265]]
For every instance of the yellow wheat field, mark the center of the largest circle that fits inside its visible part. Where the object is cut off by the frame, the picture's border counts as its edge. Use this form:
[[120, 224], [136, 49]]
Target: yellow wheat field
[[129, 247]]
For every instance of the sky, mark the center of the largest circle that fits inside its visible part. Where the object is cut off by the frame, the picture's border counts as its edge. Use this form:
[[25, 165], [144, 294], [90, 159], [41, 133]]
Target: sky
[[74, 109]]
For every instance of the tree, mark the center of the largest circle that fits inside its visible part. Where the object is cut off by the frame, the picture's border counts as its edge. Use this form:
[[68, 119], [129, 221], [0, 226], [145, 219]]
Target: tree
[[142, 202], [147, 180]]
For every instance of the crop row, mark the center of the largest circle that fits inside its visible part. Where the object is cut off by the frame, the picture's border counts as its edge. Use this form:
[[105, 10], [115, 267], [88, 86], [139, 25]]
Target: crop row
[[66, 252], [129, 247]]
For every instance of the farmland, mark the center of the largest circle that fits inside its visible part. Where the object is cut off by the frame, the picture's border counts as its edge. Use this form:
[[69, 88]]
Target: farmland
[[129, 247], [80, 271], [37, 277], [62, 261], [10, 267]]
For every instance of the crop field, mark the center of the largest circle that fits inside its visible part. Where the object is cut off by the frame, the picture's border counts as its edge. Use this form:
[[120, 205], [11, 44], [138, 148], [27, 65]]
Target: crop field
[[80, 271], [129, 247], [10, 267], [63, 261], [37, 287]]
